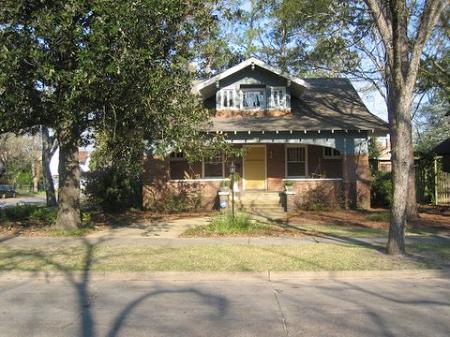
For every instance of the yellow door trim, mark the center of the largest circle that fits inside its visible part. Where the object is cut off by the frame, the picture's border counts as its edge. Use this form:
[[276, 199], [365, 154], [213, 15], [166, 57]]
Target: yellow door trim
[[265, 166]]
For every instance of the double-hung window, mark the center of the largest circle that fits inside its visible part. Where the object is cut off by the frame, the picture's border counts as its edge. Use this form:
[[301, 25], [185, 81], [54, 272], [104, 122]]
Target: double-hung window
[[296, 161], [214, 167], [228, 100], [278, 97]]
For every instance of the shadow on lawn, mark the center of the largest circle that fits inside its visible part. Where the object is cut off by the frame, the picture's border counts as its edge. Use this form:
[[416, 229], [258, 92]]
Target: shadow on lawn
[[81, 280]]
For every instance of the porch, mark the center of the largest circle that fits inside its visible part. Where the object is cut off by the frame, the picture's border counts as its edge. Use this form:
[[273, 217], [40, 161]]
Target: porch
[[314, 173]]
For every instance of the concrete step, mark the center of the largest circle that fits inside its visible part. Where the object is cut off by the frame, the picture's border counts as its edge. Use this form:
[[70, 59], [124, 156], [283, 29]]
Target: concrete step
[[260, 197]]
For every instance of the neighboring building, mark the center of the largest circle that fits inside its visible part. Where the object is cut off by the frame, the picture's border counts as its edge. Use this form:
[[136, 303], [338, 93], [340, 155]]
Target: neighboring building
[[383, 161], [312, 133], [84, 158]]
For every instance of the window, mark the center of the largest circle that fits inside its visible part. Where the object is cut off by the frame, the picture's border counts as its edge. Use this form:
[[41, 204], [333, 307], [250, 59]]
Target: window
[[296, 161], [228, 98], [253, 99], [178, 166], [330, 153], [214, 167], [278, 97]]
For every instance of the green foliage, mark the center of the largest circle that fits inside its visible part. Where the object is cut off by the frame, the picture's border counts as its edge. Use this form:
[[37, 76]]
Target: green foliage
[[29, 214], [379, 217], [24, 178], [288, 183], [226, 223], [81, 65], [113, 189], [178, 202], [381, 189]]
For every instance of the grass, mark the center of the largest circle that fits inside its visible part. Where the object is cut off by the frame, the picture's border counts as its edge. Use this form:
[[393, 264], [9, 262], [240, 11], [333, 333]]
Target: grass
[[379, 216], [225, 225], [340, 230], [225, 258]]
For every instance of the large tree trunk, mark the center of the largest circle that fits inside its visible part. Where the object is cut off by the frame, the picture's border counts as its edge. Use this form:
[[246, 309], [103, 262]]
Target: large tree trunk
[[47, 154], [68, 217], [399, 105], [411, 208]]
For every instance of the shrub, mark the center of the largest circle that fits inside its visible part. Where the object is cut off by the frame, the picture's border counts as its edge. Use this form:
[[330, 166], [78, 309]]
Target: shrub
[[29, 214], [381, 190], [225, 223], [178, 202], [318, 199], [113, 189]]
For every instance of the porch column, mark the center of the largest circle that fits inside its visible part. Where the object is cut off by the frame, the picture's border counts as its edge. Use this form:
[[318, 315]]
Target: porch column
[[356, 181], [156, 176]]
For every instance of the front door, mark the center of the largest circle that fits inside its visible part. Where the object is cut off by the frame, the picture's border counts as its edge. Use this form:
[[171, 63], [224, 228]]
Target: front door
[[255, 167]]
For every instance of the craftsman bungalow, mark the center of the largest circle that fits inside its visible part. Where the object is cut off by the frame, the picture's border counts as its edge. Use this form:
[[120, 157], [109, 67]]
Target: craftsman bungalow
[[308, 134]]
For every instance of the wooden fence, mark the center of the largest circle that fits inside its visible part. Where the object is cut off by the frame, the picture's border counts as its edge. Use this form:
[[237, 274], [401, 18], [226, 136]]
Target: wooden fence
[[442, 183]]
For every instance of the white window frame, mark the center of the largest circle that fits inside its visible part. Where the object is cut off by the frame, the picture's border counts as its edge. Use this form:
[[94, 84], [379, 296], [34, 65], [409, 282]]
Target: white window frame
[[208, 177], [272, 97], [286, 160], [333, 155], [225, 96], [241, 98]]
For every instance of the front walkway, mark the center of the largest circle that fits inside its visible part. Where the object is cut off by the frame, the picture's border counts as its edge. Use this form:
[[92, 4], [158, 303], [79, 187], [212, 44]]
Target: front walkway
[[163, 229]]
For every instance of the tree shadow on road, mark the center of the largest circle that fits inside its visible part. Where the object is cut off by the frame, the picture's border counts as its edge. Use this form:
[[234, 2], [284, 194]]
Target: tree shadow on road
[[80, 281]]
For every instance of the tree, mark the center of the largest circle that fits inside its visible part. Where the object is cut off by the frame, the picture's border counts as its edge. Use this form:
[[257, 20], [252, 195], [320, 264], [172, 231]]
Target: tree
[[404, 31], [16, 158], [381, 42], [76, 66]]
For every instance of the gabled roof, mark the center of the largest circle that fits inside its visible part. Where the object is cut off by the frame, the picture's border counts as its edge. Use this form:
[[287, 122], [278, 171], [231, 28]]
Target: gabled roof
[[201, 85], [442, 148], [327, 104]]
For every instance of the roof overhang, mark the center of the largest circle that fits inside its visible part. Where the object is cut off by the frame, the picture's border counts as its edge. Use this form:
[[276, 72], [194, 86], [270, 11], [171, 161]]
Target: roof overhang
[[206, 86]]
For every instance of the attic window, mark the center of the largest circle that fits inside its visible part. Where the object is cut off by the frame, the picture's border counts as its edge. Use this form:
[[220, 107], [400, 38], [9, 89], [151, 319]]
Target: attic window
[[278, 97], [228, 98], [253, 99]]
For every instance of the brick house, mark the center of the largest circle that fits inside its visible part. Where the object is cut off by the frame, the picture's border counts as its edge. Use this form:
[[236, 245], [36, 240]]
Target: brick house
[[310, 132]]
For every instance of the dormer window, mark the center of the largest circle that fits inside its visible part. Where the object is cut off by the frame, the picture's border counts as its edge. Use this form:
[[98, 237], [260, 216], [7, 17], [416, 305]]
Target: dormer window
[[278, 97], [228, 98], [253, 99]]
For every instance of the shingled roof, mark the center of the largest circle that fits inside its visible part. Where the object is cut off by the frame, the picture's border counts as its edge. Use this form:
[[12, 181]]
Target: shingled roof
[[327, 104]]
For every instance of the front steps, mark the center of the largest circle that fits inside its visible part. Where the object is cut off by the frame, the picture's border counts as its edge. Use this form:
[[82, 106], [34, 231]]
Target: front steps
[[263, 205]]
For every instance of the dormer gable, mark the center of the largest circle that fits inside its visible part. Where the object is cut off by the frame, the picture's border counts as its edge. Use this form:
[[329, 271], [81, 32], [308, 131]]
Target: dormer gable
[[250, 88]]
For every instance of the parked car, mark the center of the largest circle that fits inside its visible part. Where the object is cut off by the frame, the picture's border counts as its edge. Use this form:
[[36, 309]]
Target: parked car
[[7, 191]]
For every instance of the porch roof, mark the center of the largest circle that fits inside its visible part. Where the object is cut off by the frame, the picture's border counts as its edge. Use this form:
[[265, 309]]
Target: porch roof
[[327, 104]]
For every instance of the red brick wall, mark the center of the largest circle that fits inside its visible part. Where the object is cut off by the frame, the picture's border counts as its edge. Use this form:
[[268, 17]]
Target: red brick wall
[[310, 192]]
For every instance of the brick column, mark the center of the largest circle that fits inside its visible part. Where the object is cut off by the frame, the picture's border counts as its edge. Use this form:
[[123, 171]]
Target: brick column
[[156, 176], [363, 181], [356, 181]]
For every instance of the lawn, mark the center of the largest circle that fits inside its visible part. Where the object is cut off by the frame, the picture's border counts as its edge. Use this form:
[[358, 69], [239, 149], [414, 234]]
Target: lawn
[[222, 258]]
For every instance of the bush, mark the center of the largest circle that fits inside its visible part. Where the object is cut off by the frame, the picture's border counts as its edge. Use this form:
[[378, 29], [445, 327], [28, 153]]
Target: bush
[[317, 199], [178, 202], [113, 189], [381, 190], [29, 214]]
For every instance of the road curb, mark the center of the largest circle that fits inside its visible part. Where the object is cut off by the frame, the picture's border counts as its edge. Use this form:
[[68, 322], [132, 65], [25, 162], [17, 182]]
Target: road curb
[[79, 276]]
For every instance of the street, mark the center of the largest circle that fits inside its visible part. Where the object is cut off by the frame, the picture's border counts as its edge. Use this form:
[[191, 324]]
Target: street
[[242, 307]]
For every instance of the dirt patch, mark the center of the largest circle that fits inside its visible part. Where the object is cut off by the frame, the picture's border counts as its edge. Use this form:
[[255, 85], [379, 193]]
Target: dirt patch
[[437, 217]]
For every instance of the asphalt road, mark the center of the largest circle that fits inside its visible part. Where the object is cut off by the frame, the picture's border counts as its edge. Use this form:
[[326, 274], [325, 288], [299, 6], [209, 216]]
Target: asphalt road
[[254, 308]]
